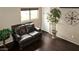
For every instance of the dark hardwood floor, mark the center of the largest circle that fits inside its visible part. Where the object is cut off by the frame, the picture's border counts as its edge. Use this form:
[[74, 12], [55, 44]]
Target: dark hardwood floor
[[46, 44], [57, 44]]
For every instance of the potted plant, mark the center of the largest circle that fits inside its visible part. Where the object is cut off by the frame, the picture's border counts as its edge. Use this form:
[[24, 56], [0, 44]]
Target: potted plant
[[4, 34], [53, 18]]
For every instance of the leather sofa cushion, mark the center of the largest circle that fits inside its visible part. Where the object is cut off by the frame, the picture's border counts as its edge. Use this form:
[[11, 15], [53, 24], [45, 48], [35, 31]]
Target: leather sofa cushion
[[34, 33], [30, 28], [21, 30], [25, 40], [26, 36]]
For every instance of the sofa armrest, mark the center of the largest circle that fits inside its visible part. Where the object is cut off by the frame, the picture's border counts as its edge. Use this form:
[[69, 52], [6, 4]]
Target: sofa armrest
[[38, 29], [17, 37]]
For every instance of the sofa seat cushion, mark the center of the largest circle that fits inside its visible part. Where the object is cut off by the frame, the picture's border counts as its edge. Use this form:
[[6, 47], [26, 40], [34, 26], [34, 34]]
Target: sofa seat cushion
[[25, 37], [34, 33]]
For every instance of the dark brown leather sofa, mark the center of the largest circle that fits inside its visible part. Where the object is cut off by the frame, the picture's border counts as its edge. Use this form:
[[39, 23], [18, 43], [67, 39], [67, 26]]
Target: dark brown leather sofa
[[25, 34]]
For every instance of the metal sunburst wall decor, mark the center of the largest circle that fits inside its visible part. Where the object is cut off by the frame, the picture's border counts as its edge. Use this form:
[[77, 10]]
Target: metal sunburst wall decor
[[72, 17]]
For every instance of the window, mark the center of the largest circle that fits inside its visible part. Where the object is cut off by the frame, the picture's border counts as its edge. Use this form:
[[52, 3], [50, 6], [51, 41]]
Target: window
[[29, 14], [34, 14], [24, 16]]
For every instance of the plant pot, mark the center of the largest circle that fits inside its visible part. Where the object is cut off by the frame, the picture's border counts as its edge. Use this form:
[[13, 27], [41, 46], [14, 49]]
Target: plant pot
[[54, 33]]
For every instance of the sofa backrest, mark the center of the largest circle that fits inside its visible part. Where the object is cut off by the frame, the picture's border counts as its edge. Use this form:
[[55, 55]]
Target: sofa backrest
[[25, 28]]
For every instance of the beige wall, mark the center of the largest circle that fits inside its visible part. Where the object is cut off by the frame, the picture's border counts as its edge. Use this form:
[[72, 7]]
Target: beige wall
[[65, 31], [8, 17]]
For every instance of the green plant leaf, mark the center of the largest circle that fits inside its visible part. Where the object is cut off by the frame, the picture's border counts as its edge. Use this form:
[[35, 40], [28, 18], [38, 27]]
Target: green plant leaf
[[54, 15], [4, 34]]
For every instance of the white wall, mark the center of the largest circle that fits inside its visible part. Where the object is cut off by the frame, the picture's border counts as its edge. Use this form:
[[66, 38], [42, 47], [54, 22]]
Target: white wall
[[9, 16], [38, 21], [45, 23]]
